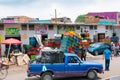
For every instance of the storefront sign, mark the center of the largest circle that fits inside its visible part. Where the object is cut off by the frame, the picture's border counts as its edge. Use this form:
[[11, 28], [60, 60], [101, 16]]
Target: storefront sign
[[8, 21], [41, 29], [12, 31], [107, 22], [24, 36]]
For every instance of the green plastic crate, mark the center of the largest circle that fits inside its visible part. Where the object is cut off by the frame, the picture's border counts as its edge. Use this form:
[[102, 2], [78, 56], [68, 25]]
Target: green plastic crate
[[32, 56]]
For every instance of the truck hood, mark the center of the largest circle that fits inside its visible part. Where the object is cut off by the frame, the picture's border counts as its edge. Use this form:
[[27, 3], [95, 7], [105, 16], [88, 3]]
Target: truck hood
[[92, 63]]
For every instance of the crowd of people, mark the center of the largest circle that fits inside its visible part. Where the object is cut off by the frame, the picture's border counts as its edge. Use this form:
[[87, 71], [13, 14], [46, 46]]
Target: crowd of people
[[115, 48]]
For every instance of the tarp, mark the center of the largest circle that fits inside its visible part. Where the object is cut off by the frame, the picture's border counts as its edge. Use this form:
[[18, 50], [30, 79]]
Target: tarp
[[51, 56], [38, 38]]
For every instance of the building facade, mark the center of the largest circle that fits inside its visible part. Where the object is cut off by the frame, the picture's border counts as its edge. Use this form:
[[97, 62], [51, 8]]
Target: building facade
[[26, 29]]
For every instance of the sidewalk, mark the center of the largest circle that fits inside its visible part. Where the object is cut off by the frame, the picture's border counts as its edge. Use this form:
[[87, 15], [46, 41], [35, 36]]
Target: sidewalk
[[15, 69], [114, 67], [114, 73]]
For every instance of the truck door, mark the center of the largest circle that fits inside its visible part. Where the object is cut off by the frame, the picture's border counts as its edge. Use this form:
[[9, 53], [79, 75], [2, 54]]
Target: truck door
[[73, 67]]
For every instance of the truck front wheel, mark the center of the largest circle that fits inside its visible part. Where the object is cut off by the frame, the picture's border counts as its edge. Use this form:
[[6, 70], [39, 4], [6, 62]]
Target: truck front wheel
[[47, 76], [92, 75]]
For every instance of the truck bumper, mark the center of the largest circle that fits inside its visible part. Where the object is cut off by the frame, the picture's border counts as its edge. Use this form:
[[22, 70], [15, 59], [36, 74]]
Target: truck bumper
[[101, 71]]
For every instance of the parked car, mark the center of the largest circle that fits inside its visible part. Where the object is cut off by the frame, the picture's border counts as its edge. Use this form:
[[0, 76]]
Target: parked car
[[54, 64], [98, 48]]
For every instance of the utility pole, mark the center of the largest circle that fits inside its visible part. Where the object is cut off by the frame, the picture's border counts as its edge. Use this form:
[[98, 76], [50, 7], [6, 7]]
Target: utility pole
[[56, 19], [55, 16]]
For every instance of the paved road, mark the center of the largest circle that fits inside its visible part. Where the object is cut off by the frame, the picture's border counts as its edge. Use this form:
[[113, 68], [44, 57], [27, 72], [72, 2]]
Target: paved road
[[16, 73], [19, 72], [114, 69]]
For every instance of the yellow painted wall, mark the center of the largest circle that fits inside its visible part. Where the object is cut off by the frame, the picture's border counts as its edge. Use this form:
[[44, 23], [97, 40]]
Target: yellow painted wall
[[1, 38]]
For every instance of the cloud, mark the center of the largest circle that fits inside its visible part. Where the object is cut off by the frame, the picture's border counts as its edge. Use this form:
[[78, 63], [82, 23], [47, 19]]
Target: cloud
[[45, 9], [15, 2]]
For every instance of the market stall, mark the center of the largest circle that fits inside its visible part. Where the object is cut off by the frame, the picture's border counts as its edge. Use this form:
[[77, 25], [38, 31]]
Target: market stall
[[16, 56], [11, 41]]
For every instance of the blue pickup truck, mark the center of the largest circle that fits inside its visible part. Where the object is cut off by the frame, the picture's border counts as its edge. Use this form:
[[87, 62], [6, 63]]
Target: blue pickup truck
[[52, 64]]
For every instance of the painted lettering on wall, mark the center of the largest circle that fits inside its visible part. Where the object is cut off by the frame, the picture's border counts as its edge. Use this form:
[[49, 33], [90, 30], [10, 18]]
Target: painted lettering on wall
[[12, 31], [41, 29], [24, 36], [8, 21]]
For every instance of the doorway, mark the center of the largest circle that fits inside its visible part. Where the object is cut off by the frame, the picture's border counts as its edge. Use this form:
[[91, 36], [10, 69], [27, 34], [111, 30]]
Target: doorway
[[44, 38], [101, 37]]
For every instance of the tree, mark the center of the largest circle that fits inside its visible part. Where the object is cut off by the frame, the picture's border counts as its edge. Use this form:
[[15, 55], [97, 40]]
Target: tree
[[80, 19]]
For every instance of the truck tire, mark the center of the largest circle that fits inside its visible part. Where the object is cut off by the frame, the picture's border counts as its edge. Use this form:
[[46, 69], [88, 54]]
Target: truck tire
[[92, 75], [47, 76]]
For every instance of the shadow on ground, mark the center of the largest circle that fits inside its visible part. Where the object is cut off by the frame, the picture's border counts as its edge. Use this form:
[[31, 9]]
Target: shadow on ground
[[71, 78], [114, 78]]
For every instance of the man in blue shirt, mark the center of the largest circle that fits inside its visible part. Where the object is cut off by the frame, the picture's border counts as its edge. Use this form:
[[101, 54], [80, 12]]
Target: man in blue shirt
[[107, 55]]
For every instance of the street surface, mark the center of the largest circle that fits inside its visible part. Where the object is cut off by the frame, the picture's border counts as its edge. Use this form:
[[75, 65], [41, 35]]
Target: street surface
[[19, 72]]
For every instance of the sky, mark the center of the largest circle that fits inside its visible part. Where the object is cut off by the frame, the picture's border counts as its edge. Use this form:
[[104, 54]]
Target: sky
[[45, 9]]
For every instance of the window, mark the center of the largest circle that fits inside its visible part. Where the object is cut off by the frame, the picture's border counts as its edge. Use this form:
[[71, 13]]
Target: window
[[95, 27], [50, 27], [24, 26], [118, 15], [106, 27], [1, 26], [73, 60], [91, 27], [31, 27], [78, 27], [111, 27]]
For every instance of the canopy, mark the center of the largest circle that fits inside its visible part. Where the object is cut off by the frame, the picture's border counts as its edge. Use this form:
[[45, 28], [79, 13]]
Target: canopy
[[11, 41]]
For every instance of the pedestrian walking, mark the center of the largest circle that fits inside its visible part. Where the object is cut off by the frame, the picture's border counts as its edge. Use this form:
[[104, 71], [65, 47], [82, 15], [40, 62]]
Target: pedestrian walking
[[107, 54], [117, 50], [113, 48], [83, 54]]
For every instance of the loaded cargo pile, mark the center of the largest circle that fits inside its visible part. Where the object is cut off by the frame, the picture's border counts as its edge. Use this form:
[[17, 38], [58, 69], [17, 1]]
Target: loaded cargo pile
[[71, 39]]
